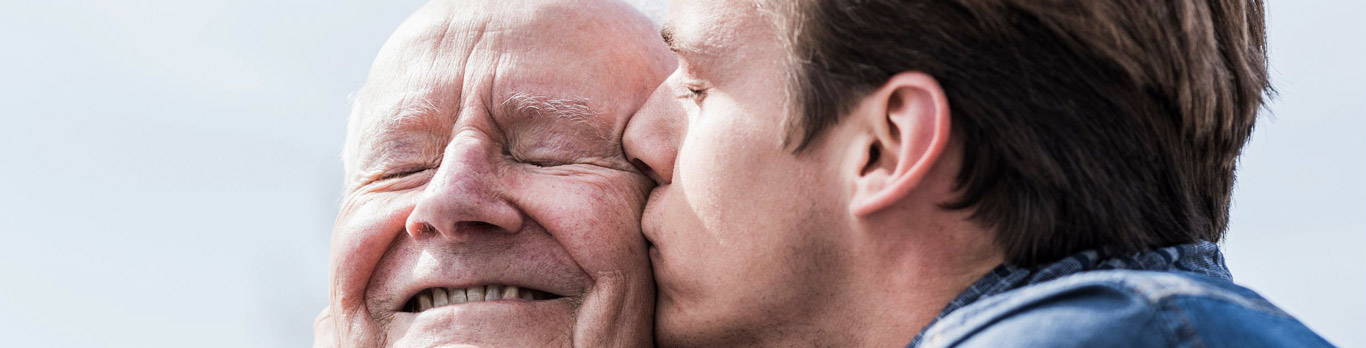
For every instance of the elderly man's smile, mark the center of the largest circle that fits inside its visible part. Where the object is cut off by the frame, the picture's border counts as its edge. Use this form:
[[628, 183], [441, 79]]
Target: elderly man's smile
[[444, 296], [438, 309], [518, 277], [521, 289]]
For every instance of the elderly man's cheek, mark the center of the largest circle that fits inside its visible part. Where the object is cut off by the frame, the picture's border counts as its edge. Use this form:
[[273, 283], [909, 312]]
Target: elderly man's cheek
[[365, 228], [620, 202], [363, 232], [622, 189], [597, 218], [602, 234]]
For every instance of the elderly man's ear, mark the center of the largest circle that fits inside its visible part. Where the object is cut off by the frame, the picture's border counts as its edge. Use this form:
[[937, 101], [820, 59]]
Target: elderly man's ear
[[324, 331], [901, 128]]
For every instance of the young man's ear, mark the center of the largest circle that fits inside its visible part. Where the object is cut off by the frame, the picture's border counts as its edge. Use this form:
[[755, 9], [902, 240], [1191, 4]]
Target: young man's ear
[[905, 126]]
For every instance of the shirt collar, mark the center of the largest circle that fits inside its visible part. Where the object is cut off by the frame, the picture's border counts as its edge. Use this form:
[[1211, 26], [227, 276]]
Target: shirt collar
[[1201, 258]]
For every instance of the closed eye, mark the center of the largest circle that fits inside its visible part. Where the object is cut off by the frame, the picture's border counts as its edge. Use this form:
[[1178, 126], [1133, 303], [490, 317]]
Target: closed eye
[[542, 163], [507, 153], [402, 173], [697, 94]]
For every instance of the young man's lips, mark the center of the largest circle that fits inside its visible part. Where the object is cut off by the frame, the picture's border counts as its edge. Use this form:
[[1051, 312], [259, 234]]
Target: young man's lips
[[652, 249], [649, 233]]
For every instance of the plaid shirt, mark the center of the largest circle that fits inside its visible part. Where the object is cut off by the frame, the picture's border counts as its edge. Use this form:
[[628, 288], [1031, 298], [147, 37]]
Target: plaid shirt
[[1201, 258]]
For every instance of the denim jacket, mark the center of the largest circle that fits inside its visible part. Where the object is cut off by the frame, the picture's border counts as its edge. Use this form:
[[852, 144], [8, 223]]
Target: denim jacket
[[1180, 296]]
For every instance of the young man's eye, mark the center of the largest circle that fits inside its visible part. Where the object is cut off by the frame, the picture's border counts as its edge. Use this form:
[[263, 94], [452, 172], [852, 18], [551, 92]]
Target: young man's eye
[[695, 93]]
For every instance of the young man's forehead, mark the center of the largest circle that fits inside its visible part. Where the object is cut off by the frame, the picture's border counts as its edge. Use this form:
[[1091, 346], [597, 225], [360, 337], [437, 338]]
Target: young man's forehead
[[699, 31]]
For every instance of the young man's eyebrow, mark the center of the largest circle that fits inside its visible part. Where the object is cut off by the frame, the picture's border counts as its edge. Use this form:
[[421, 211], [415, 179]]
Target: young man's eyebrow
[[700, 55], [667, 33], [681, 47]]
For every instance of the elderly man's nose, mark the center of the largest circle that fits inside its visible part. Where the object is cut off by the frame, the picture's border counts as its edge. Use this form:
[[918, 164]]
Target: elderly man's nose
[[652, 137], [463, 198]]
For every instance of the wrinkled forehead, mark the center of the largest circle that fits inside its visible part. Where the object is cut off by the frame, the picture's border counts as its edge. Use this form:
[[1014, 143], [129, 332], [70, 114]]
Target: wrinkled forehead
[[453, 60]]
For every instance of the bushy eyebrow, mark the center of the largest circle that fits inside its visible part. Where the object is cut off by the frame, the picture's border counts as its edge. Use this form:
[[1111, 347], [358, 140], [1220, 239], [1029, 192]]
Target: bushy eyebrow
[[569, 109], [573, 110]]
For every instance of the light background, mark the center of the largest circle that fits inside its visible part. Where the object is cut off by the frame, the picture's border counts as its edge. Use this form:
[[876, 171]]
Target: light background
[[169, 169]]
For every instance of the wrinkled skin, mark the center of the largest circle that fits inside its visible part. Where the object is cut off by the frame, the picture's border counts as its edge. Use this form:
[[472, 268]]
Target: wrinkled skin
[[484, 149]]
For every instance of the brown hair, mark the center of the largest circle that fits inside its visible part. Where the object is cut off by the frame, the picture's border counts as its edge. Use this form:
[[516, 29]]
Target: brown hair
[[1111, 125]]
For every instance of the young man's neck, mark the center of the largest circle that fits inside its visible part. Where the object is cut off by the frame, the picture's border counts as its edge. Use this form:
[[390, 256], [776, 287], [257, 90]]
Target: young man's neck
[[908, 275], [893, 290]]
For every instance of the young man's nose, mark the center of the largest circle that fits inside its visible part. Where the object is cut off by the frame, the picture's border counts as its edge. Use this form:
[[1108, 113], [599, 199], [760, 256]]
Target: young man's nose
[[463, 197], [654, 134]]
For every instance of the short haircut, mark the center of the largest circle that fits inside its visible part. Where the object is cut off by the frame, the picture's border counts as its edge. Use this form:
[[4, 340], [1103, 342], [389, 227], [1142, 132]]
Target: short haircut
[[1112, 125]]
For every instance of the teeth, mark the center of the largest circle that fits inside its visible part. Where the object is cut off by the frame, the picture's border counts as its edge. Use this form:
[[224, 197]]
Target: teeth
[[457, 296], [493, 292], [424, 301], [439, 297], [476, 294]]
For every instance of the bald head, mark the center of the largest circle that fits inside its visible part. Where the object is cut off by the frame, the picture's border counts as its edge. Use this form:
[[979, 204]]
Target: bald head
[[483, 160], [447, 44]]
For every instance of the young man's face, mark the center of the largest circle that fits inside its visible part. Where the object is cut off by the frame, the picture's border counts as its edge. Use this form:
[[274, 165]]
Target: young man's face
[[744, 231]]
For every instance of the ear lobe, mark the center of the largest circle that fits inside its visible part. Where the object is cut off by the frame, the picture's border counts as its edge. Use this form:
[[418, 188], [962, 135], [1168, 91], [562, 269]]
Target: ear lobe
[[908, 130]]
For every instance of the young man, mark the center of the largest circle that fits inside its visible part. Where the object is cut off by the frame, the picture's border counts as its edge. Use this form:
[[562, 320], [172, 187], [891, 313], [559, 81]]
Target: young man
[[953, 173]]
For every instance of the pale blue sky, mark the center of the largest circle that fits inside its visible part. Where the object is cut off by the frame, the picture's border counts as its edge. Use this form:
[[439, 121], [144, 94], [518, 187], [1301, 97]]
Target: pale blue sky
[[169, 170]]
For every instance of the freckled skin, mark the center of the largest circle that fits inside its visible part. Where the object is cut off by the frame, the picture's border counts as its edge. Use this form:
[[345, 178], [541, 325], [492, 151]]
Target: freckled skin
[[445, 187]]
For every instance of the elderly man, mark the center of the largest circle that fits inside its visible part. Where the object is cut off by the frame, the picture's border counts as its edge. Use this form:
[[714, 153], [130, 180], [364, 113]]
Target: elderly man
[[488, 201]]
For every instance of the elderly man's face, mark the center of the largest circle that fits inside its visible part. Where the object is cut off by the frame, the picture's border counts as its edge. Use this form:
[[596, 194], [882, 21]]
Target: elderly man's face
[[488, 201]]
